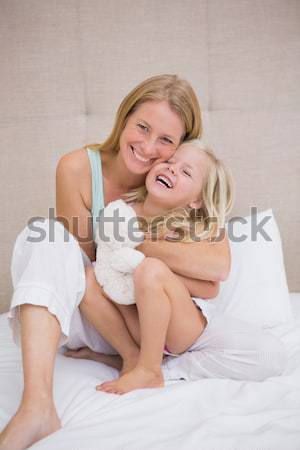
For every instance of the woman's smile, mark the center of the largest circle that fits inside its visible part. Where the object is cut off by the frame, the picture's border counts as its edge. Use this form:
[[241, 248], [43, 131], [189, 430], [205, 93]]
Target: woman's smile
[[151, 134], [141, 159]]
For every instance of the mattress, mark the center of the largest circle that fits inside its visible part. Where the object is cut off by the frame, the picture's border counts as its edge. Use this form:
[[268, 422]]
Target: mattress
[[210, 414]]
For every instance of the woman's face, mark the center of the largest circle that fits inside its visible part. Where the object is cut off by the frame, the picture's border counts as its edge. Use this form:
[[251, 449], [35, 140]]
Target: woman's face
[[151, 135], [178, 182]]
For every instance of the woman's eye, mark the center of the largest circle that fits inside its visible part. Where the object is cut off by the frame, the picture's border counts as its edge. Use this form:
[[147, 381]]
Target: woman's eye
[[143, 127]]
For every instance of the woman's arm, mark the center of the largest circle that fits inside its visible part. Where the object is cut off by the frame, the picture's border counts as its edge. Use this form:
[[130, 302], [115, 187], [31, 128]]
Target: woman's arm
[[202, 260], [201, 288], [72, 177]]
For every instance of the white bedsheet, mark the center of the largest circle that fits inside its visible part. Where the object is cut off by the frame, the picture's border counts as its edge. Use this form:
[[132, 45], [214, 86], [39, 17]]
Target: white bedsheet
[[209, 414]]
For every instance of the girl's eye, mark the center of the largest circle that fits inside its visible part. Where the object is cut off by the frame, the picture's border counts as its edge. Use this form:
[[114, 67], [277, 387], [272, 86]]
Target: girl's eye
[[167, 140], [187, 173], [143, 127]]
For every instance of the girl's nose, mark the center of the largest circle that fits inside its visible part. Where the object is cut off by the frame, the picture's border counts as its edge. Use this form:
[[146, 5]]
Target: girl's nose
[[172, 169]]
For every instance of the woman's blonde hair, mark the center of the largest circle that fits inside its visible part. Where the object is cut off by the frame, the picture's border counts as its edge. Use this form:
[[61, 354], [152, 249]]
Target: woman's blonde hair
[[206, 222], [176, 91]]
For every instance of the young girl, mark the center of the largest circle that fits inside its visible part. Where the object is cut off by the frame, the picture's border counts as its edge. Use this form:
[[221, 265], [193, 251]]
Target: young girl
[[193, 192]]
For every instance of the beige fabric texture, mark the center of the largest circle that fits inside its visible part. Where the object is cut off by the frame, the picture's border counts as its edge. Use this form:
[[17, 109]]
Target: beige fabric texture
[[65, 67]]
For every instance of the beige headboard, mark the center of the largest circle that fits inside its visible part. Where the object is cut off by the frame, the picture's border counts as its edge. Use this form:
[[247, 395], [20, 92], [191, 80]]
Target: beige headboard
[[66, 65]]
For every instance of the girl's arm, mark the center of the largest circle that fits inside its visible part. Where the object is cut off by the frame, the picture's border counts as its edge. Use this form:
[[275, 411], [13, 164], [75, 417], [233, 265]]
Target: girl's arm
[[202, 260]]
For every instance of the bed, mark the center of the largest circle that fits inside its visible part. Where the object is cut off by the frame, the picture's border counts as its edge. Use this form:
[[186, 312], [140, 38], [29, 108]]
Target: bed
[[62, 84], [213, 414]]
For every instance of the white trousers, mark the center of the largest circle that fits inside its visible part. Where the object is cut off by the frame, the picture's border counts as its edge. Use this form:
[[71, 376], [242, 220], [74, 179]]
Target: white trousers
[[48, 270]]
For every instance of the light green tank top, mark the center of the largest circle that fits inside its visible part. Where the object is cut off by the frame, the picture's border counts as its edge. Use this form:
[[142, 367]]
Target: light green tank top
[[97, 186]]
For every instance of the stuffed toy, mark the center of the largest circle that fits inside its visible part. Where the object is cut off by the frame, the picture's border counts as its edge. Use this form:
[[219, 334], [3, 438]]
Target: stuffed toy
[[116, 257]]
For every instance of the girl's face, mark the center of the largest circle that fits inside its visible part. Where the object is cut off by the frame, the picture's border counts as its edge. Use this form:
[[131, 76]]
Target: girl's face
[[178, 182], [151, 135]]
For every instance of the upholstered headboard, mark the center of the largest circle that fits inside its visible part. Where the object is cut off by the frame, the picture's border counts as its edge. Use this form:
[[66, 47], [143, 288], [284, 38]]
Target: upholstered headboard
[[66, 65]]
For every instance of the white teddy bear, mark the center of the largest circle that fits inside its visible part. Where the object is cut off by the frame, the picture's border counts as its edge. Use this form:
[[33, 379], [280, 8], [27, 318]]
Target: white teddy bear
[[116, 257]]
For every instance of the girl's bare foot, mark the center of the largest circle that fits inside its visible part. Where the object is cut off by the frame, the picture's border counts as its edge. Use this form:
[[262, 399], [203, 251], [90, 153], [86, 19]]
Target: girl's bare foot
[[138, 378], [29, 425], [130, 362], [114, 361]]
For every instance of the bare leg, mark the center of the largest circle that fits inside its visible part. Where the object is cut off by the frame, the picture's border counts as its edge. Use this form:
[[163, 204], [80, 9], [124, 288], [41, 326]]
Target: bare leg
[[154, 312], [105, 317], [36, 416], [168, 315], [131, 317]]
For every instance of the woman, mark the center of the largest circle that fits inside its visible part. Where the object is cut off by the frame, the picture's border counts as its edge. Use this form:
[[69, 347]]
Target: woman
[[151, 122]]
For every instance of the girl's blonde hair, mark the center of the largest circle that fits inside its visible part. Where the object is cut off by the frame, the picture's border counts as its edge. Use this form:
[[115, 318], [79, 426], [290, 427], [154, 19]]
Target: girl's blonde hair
[[176, 91], [206, 222]]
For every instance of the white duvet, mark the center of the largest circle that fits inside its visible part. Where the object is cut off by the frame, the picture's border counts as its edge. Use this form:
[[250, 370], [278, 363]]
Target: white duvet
[[209, 414]]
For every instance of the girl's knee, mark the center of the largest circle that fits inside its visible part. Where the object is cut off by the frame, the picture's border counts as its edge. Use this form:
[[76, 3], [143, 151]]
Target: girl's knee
[[150, 271]]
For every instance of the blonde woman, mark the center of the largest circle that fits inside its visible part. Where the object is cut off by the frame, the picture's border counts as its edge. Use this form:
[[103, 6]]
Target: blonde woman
[[152, 120], [49, 278]]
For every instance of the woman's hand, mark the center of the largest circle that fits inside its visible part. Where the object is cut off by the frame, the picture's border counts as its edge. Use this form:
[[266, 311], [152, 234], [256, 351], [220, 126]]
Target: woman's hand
[[201, 288], [202, 260]]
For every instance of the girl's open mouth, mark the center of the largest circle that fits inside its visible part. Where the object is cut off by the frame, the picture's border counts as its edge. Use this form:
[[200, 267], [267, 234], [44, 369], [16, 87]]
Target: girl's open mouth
[[164, 181]]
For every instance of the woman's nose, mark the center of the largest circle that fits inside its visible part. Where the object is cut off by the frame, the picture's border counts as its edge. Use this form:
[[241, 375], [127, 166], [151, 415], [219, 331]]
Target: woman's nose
[[149, 148]]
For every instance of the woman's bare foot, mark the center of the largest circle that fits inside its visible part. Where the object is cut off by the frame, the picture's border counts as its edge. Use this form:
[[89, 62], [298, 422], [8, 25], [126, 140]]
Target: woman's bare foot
[[80, 353], [30, 424], [114, 361], [138, 378], [123, 365]]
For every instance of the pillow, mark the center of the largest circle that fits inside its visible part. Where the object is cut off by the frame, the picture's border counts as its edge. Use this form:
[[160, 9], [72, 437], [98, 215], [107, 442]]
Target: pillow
[[256, 290]]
